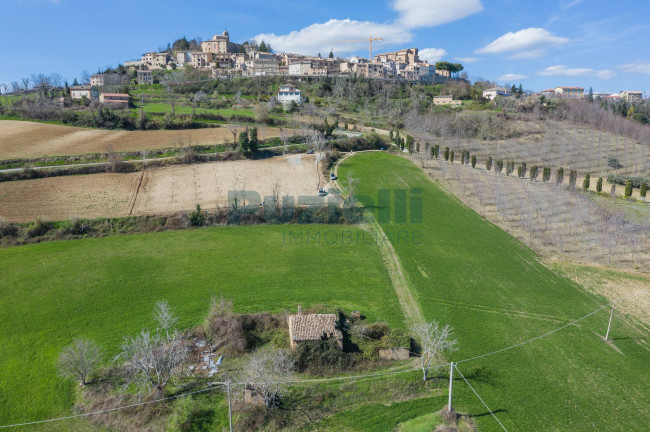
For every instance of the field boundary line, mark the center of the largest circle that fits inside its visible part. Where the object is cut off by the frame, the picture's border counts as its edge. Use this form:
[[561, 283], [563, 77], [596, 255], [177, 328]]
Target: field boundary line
[[137, 191]]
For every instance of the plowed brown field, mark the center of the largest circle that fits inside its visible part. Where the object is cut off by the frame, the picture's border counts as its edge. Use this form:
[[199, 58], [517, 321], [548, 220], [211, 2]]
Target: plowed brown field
[[22, 139], [156, 191]]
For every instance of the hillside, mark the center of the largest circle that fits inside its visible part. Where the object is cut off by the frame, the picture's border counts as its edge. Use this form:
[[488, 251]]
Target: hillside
[[467, 272]]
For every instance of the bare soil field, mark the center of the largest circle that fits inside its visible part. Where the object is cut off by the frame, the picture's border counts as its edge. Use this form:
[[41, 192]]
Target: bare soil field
[[22, 139], [159, 190]]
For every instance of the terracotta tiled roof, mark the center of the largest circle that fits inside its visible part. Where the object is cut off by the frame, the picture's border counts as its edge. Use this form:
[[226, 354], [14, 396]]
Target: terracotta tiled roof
[[313, 327]]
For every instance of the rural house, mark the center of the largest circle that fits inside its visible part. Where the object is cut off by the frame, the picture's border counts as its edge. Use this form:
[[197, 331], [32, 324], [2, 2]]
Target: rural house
[[445, 100], [289, 93], [78, 92], [145, 77], [115, 100], [313, 327]]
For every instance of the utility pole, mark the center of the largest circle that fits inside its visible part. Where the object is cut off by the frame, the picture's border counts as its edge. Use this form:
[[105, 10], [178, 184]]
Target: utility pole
[[611, 314], [229, 407], [451, 385]]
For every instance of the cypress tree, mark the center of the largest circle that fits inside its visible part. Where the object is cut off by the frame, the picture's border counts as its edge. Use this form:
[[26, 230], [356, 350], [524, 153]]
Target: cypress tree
[[533, 172], [446, 153], [644, 189], [559, 176], [546, 176], [599, 185], [519, 171], [390, 135], [573, 176], [409, 143], [586, 182], [628, 188], [451, 157], [253, 142], [243, 141], [473, 161], [436, 151], [498, 167], [522, 170], [488, 163]]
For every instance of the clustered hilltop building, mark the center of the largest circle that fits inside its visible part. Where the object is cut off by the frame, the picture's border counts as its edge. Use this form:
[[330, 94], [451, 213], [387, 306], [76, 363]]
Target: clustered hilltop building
[[226, 58]]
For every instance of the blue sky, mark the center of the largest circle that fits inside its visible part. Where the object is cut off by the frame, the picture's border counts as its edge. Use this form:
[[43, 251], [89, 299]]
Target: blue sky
[[540, 43]]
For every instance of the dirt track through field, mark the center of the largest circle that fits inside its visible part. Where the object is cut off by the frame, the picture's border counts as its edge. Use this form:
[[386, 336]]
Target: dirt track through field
[[159, 190], [22, 139]]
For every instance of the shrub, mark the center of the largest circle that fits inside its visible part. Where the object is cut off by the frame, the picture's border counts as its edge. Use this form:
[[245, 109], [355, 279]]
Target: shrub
[[559, 176], [546, 175], [488, 163], [317, 356], [498, 167], [197, 217], [446, 153], [534, 171], [628, 188], [473, 161], [599, 185], [644, 189], [586, 182], [39, 228]]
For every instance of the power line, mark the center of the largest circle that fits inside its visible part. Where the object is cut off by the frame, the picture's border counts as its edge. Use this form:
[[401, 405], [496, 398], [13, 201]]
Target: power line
[[481, 399], [213, 386], [535, 338], [342, 378]]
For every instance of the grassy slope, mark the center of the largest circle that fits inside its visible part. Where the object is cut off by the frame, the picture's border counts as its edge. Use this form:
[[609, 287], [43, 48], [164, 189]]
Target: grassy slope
[[106, 288], [491, 288]]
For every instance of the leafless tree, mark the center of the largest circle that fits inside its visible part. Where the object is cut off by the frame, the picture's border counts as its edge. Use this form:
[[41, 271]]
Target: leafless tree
[[85, 77], [164, 316], [25, 83], [234, 129], [153, 360], [266, 372], [171, 80], [79, 360], [434, 342]]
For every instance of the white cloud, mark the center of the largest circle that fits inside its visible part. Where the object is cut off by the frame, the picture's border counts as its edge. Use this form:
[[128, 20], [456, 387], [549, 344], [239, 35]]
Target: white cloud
[[637, 67], [411, 14], [467, 60], [561, 70], [429, 13], [320, 37], [512, 77], [432, 55], [532, 39]]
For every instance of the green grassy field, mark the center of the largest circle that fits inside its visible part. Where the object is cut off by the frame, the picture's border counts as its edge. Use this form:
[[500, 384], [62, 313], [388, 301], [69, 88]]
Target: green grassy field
[[106, 288], [467, 272], [164, 107]]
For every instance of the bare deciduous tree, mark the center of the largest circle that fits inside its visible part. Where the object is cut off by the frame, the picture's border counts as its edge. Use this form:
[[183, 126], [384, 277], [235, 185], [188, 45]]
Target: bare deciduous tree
[[266, 372], [153, 359], [434, 341], [164, 316], [79, 360]]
